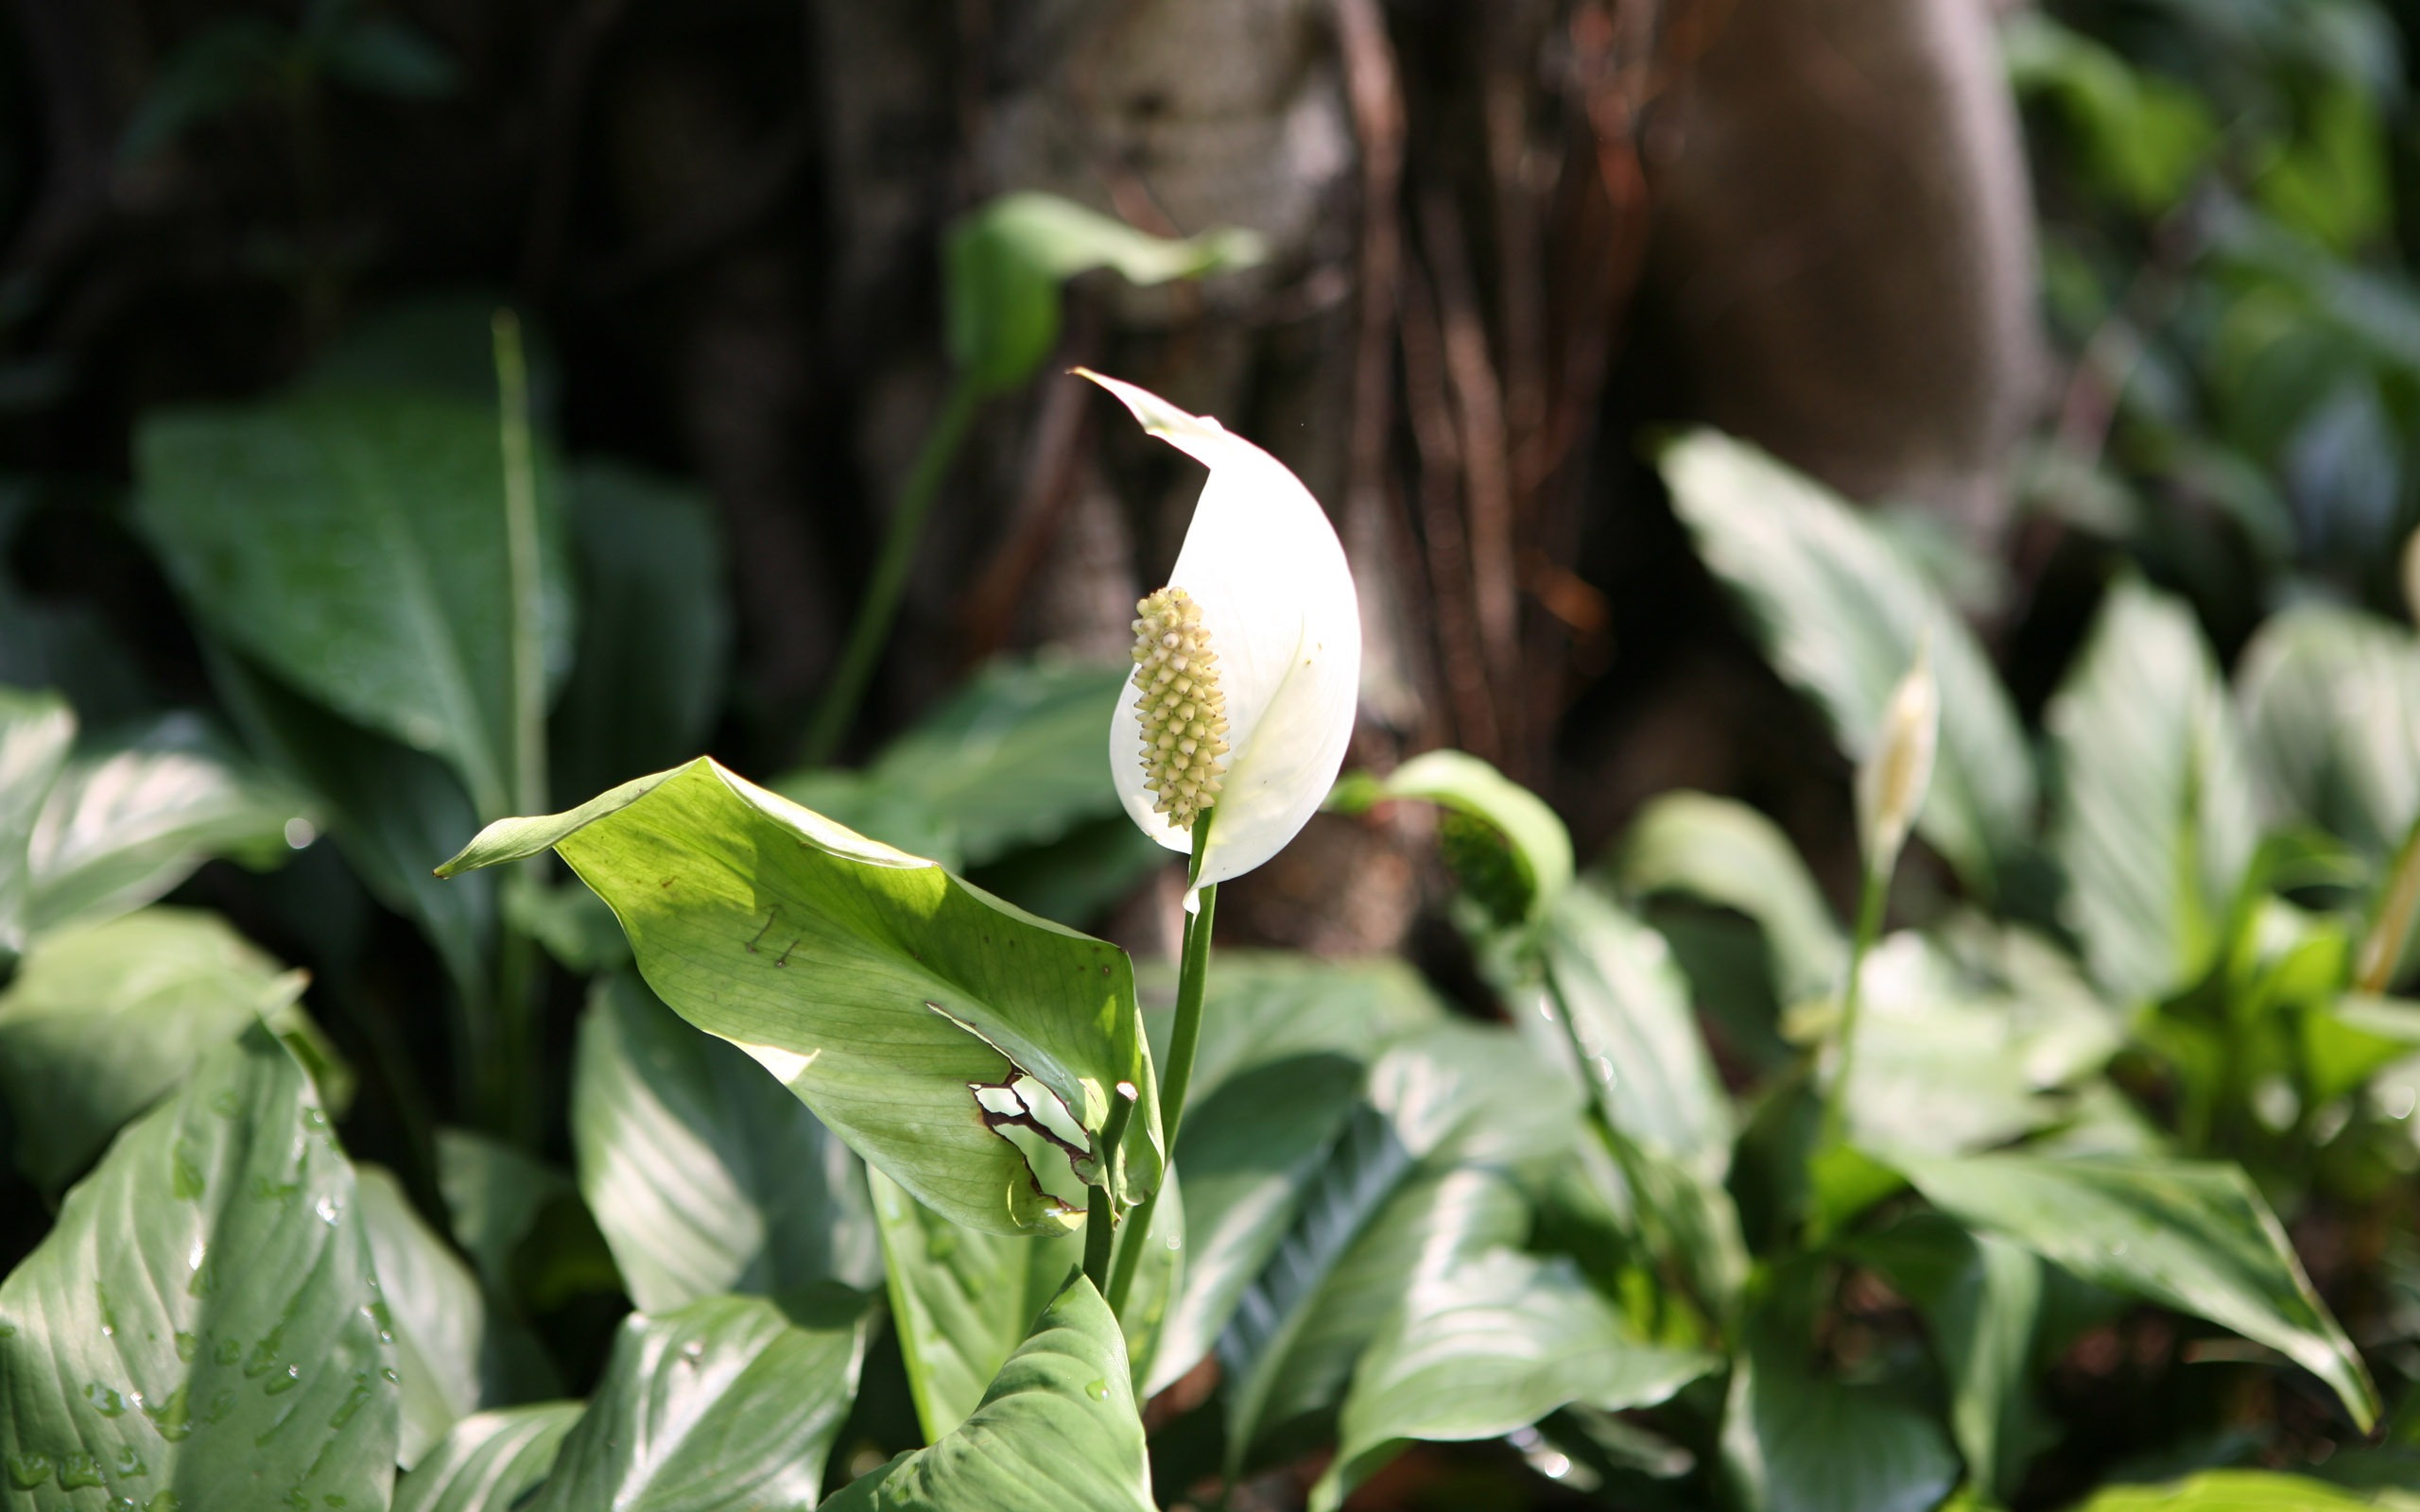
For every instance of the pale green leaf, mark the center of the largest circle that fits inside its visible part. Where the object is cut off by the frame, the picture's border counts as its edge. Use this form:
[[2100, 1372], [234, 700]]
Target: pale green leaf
[[203, 1324], [36, 730], [1720, 851], [2330, 702], [892, 998], [490, 1461], [434, 1311]]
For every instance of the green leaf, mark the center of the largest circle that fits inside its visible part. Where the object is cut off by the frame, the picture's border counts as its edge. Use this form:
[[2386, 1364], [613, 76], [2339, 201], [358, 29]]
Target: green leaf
[[203, 1324], [1720, 851], [705, 1175], [1795, 1442], [1841, 615], [1056, 1432], [1945, 1062], [2330, 702], [2193, 1236], [102, 1019], [494, 1192], [36, 730], [963, 1300], [2143, 137], [968, 1050], [434, 1309], [1263, 1007], [490, 1461], [1539, 846], [2152, 813], [2232, 1491], [1249, 1152], [1629, 1008], [647, 681], [225, 65], [381, 55], [1012, 760], [1981, 1297], [1004, 261], [128, 821], [355, 544], [1394, 1201], [394, 811], [729, 1404], [1491, 1345]]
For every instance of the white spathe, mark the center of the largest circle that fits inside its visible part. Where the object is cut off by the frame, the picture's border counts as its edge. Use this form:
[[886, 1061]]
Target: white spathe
[[1277, 599]]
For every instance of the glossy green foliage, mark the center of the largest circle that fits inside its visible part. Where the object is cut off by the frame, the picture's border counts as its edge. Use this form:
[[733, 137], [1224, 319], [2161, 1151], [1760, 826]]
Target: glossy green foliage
[[728, 1404], [489, 1461], [102, 1019], [1535, 847], [354, 544], [704, 1174], [1840, 616], [205, 1321], [1056, 1431], [881, 989]]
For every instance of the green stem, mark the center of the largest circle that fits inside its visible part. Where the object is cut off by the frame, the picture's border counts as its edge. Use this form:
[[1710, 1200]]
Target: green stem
[[2383, 947], [1869, 926], [1100, 1208], [871, 630], [1193, 976], [512, 1106]]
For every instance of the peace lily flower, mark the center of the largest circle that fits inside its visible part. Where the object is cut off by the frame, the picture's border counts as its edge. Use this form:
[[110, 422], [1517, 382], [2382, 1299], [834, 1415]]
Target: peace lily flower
[[1892, 784], [1247, 665]]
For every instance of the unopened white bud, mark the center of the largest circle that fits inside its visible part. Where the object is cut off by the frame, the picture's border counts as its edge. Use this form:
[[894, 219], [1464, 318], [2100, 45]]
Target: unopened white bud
[[1892, 784]]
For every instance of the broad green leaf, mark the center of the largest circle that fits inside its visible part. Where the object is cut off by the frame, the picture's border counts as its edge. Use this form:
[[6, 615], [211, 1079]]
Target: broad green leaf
[[35, 730], [1012, 760], [963, 1300], [1057, 1431], [1536, 844], [1718, 851], [394, 811], [1981, 1297], [1795, 1442], [130, 820], [1373, 1223], [434, 1309], [1841, 615], [103, 1018], [729, 1404], [1629, 1010], [705, 1175], [203, 1324], [2330, 702], [490, 1461], [2152, 813], [493, 1193], [1249, 1152], [355, 544], [967, 1049], [1262, 1006], [649, 679], [2237, 1491], [2194, 1236], [1004, 261], [2349, 1039], [1946, 1062], [1488, 1346]]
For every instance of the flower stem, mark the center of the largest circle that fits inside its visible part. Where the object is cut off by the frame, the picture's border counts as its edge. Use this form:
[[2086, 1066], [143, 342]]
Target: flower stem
[[2382, 946], [1101, 1206], [871, 630], [1869, 925], [512, 1101], [1193, 976]]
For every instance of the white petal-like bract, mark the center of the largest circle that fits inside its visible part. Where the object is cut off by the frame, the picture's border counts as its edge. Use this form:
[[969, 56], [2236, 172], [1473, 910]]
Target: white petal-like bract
[[1270, 575]]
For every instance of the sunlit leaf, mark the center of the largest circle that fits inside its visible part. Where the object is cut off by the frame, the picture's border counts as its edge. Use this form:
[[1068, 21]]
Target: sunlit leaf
[[705, 1175], [892, 998], [963, 1300], [2190, 1235], [1840, 616], [1718, 851], [489, 1461], [2152, 813], [1057, 1431], [1487, 1346], [729, 1404], [203, 1323], [102, 1019], [2236, 1491], [434, 1311], [2330, 702], [35, 730], [1536, 845]]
